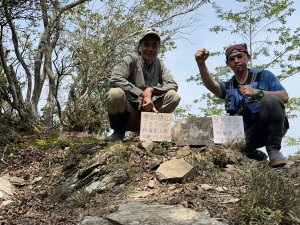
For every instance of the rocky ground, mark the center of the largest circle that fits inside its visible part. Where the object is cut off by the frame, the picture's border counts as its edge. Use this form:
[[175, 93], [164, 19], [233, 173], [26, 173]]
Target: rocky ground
[[51, 183]]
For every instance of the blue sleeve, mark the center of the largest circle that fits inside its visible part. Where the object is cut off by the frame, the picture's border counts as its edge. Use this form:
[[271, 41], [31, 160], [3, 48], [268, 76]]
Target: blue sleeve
[[269, 82]]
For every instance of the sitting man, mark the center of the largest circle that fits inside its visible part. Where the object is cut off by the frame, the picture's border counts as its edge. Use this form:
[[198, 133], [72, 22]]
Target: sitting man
[[141, 82], [256, 95]]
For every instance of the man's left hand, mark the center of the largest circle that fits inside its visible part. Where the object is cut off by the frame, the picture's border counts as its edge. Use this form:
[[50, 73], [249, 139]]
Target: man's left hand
[[248, 91], [147, 104]]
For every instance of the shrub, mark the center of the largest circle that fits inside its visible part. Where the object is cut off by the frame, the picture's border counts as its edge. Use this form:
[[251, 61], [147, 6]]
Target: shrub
[[8, 133], [268, 199]]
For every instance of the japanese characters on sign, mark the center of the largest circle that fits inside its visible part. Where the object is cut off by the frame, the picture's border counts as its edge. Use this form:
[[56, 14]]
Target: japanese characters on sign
[[156, 126], [228, 129]]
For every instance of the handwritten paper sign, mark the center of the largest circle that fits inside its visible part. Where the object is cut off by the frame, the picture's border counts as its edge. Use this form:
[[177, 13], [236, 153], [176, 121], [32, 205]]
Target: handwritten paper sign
[[156, 126], [228, 129]]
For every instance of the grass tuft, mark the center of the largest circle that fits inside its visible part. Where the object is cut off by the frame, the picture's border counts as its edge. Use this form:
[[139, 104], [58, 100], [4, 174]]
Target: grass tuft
[[268, 199]]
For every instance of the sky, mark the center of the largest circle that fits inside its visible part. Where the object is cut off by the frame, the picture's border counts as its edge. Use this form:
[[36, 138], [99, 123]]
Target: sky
[[182, 64]]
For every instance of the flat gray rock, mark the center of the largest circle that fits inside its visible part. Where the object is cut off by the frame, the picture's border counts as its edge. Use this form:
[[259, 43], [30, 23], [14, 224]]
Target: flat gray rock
[[93, 220], [6, 188], [136, 213], [176, 170], [193, 131]]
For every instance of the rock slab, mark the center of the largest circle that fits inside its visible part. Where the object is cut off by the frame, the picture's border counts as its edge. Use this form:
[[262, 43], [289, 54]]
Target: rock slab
[[193, 131], [138, 213], [176, 170]]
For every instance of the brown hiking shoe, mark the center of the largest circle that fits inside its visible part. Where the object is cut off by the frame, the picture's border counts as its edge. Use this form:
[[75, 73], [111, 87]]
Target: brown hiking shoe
[[276, 158]]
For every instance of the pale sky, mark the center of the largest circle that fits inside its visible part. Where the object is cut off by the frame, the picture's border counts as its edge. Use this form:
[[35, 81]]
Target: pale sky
[[182, 64]]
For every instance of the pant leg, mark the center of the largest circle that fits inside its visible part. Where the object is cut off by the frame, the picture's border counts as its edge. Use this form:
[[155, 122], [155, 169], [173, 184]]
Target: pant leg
[[273, 118], [121, 113], [271, 109], [268, 129], [116, 101], [168, 102], [255, 137]]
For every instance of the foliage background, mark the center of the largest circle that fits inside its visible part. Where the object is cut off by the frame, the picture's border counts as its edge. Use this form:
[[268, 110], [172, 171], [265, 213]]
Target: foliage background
[[185, 67], [58, 57]]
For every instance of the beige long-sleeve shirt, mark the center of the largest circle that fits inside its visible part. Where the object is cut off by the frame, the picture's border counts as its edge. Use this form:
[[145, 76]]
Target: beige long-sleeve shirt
[[133, 76]]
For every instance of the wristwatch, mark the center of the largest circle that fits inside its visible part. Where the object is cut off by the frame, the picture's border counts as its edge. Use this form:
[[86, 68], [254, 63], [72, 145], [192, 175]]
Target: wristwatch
[[260, 94]]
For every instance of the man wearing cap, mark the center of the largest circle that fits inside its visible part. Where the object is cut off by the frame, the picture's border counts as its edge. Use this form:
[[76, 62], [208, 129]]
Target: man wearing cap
[[141, 82], [258, 96]]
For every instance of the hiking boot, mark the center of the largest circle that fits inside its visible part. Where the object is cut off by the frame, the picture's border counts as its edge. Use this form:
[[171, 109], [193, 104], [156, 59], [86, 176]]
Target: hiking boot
[[118, 124], [116, 136], [276, 158], [257, 155], [275, 130]]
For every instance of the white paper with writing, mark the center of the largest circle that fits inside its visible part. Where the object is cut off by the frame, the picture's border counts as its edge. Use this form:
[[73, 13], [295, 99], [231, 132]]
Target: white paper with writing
[[156, 126], [228, 129]]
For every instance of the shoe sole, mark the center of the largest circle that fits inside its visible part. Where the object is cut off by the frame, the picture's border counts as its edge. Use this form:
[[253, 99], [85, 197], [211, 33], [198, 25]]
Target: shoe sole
[[278, 163]]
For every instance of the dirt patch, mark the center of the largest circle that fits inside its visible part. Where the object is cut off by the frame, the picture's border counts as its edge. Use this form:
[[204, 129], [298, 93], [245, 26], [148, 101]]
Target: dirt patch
[[45, 170]]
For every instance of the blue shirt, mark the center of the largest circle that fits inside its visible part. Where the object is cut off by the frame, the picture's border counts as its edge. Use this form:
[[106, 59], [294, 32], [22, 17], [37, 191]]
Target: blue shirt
[[267, 82]]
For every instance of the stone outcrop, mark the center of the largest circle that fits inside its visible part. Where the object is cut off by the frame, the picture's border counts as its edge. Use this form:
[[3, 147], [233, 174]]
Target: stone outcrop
[[193, 131], [8, 186], [157, 214], [176, 170]]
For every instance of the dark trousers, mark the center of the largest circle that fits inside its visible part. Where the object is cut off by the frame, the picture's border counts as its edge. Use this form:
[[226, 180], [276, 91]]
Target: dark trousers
[[270, 126]]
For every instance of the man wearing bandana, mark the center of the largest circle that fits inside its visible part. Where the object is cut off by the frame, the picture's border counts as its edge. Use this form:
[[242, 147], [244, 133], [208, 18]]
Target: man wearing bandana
[[258, 96]]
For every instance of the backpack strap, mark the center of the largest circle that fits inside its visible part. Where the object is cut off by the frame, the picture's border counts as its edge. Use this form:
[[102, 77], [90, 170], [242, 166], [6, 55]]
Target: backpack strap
[[252, 77], [255, 77], [229, 85]]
